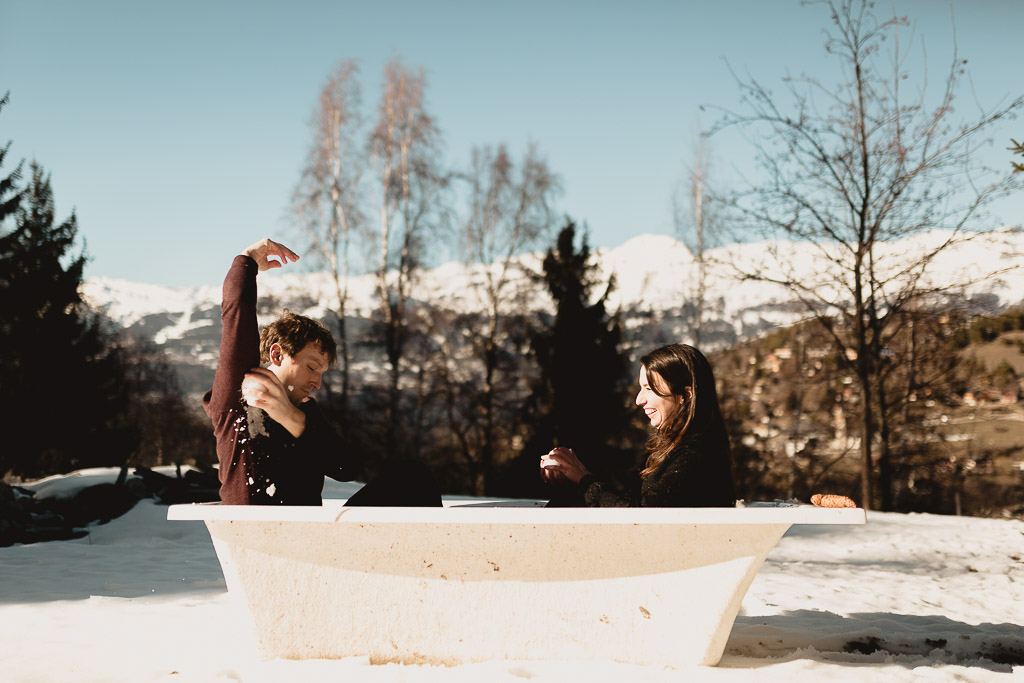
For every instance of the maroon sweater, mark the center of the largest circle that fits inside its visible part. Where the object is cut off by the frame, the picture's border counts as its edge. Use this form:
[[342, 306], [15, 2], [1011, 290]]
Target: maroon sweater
[[274, 468]]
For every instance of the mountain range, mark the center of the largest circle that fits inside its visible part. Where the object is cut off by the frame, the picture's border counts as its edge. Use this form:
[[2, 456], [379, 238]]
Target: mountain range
[[654, 278]]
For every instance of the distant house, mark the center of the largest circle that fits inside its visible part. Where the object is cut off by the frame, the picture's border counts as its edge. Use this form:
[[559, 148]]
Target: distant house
[[981, 397], [818, 352]]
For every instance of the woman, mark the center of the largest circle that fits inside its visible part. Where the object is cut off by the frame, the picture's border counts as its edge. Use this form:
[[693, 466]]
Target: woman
[[688, 453]]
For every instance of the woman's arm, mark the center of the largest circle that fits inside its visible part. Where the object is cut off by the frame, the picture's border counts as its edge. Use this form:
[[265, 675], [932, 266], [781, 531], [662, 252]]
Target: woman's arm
[[600, 494], [562, 464]]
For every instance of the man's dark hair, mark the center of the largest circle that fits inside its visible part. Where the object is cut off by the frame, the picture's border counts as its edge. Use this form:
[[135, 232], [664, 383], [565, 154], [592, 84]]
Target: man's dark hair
[[293, 332]]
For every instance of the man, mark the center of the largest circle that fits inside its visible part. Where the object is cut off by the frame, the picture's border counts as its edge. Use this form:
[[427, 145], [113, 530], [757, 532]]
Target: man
[[274, 444]]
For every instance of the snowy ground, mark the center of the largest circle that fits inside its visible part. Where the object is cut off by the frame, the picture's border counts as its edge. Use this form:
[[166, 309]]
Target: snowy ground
[[904, 598]]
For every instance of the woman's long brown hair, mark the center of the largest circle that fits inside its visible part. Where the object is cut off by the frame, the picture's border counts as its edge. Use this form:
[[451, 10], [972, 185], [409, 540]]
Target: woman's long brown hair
[[670, 370]]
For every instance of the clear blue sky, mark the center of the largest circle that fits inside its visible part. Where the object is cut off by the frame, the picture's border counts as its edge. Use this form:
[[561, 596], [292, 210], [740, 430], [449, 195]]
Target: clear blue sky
[[176, 130]]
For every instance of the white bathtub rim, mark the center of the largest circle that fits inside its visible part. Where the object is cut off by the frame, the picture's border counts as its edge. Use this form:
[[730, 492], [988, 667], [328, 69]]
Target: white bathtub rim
[[511, 511]]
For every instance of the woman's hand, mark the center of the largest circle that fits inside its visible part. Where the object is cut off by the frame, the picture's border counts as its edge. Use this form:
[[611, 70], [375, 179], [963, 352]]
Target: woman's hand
[[561, 463]]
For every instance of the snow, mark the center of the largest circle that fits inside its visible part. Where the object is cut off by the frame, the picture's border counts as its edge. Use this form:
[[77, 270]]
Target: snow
[[653, 273], [126, 301], [903, 598]]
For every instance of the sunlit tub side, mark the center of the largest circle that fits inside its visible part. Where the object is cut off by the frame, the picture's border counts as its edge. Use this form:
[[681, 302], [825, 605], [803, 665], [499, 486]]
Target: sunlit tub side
[[469, 583]]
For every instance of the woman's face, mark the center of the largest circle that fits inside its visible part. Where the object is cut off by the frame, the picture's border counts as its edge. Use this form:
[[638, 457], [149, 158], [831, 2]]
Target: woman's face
[[657, 408]]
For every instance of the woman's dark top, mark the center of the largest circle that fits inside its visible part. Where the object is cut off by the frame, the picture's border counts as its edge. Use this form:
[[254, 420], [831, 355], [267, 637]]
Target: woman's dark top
[[696, 474]]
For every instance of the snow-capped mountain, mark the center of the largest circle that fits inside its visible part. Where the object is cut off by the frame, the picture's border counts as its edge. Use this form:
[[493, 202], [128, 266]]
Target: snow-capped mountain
[[655, 275]]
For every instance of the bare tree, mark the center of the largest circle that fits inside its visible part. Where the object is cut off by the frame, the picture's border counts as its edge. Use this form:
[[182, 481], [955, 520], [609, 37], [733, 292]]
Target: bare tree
[[693, 216], [918, 367], [509, 212], [408, 185], [326, 201], [849, 170]]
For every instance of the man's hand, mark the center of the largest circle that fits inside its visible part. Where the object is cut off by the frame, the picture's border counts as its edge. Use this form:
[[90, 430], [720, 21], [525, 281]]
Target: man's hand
[[265, 248], [261, 388]]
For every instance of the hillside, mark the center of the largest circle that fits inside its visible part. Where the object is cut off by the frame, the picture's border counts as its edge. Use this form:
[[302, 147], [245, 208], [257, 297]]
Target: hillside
[[958, 441]]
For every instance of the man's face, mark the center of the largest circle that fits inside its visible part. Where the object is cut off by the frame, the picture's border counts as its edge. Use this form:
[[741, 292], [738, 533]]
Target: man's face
[[300, 373]]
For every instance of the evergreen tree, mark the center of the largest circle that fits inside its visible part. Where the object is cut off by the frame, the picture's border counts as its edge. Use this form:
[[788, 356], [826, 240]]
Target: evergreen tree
[[73, 392], [10, 195], [58, 388], [580, 399]]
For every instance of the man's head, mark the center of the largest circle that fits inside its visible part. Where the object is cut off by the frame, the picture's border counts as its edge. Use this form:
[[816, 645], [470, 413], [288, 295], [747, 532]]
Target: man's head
[[298, 350]]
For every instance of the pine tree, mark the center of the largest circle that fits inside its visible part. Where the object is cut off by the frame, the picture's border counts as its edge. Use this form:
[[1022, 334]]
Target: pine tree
[[10, 196], [73, 392], [58, 385], [580, 399]]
